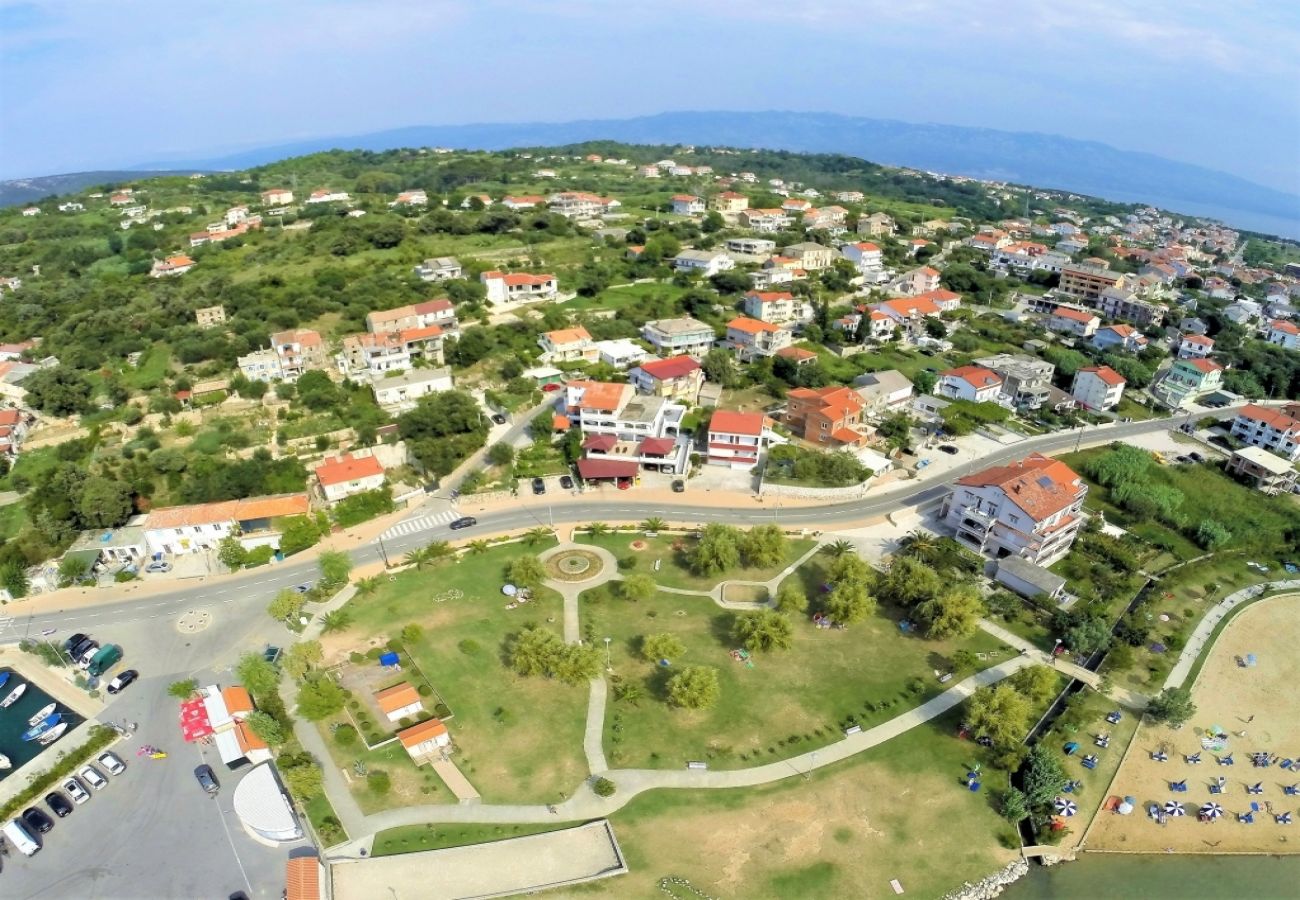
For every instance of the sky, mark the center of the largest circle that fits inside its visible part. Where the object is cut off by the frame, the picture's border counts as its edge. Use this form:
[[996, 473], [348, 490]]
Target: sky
[[89, 84]]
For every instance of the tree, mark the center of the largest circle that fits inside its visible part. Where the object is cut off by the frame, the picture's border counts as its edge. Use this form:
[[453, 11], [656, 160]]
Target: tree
[[954, 613], [286, 606], [59, 391], [534, 536], [896, 429], [182, 690], [720, 367], [765, 629], [1088, 636], [437, 551], [266, 726], [1000, 713], [849, 602], [1015, 806], [964, 660], [478, 547], [716, 551], [921, 545], [526, 571], [655, 647], [297, 534], [13, 578], [1172, 706], [410, 633], [301, 658], [850, 567], [602, 786], [1044, 777], [367, 586], [231, 553], [319, 699], [304, 781], [104, 502], [72, 569], [924, 381], [763, 546], [533, 651], [653, 524], [335, 567], [501, 454], [256, 674], [909, 582], [628, 691], [638, 588], [836, 549], [791, 598], [1038, 683], [1212, 535], [695, 687]]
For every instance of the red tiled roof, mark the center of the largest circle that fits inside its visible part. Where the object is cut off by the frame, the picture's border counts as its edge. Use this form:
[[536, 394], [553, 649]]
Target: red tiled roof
[[672, 367], [1106, 374], [600, 442], [976, 376], [421, 732], [1075, 315], [347, 467], [568, 335], [1200, 339], [399, 696], [271, 507], [1038, 485], [1273, 418], [1284, 326], [750, 326], [798, 354], [429, 306], [302, 878], [770, 296], [727, 421], [1205, 366], [600, 395], [589, 467], [656, 446]]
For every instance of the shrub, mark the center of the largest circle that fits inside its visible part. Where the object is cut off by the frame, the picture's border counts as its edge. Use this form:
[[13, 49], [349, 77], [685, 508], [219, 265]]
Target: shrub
[[441, 711], [374, 653], [603, 787], [405, 722], [627, 562], [356, 658], [468, 647], [394, 644], [424, 690], [345, 735], [378, 781]]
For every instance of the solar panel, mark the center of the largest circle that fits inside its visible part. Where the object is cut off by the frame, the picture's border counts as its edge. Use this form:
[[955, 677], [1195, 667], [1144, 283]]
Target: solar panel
[[1044, 481]]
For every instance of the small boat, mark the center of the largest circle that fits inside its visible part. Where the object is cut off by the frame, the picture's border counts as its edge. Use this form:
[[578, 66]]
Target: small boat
[[45, 711], [5, 763], [41, 727], [4, 678], [13, 696], [53, 734]]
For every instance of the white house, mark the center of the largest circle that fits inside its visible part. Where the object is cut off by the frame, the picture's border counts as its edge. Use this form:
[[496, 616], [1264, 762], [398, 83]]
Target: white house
[[866, 258], [276, 197], [738, 439], [688, 205], [580, 205], [1283, 333], [751, 338], [1194, 346], [326, 195], [568, 345], [172, 265], [346, 474], [440, 268], [1032, 509], [404, 389], [777, 307], [1072, 320], [1277, 430], [425, 740], [399, 702], [750, 246], [1098, 387], [974, 383], [671, 337], [1120, 337], [706, 262], [506, 288], [621, 353], [621, 425], [884, 391], [528, 201]]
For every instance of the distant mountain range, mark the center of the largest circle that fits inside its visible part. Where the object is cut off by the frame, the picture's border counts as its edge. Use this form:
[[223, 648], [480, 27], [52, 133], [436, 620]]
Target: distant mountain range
[[1041, 160], [29, 190]]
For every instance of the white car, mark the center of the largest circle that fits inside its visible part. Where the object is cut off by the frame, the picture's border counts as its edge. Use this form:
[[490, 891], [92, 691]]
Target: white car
[[84, 662], [91, 775], [111, 761], [76, 791]]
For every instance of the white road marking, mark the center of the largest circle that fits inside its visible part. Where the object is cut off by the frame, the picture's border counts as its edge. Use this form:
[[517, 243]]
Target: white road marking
[[422, 523]]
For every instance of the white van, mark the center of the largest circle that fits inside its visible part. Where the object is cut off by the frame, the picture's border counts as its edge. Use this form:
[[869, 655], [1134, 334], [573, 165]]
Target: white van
[[18, 835]]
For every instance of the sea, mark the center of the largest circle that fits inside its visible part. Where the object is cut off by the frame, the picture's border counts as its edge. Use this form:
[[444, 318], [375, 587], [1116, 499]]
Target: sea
[[13, 722], [1113, 876]]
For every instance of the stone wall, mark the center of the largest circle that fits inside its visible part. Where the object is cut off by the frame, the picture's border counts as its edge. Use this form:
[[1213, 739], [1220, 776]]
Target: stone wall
[[989, 887]]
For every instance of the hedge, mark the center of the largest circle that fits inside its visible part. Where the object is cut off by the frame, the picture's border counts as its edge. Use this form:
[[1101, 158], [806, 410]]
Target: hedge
[[101, 736]]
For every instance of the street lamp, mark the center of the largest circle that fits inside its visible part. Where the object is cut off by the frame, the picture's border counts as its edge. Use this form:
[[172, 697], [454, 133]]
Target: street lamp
[[607, 662], [811, 765]]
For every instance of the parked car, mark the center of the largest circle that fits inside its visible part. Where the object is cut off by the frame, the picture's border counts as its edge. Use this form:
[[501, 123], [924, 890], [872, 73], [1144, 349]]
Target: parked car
[[463, 522], [302, 588], [539, 486], [93, 777], [111, 761], [679, 486], [207, 779], [1195, 457], [37, 820], [566, 482], [71, 643], [122, 680], [950, 449], [499, 418], [58, 804], [158, 566], [87, 655], [78, 793], [79, 648]]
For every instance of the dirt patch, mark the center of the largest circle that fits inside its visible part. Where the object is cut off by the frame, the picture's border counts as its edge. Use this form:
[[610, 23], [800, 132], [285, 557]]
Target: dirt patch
[[1259, 708]]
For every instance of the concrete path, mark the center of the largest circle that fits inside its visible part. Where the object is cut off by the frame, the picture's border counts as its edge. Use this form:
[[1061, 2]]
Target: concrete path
[[1197, 642], [455, 780], [631, 782], [570, 590], [593, 739], [346, 809]]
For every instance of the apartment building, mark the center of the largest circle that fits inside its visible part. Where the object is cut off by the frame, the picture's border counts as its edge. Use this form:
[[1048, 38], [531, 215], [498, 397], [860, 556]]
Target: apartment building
[[418, 315], [738, 439], [1116, 303], [1276, 430], [1026, 380], [830, 416], [1098, 388], [376, 355], [1086, 281], [511, 288], [580, 205], [750, 246], [1073, 321], [810, 256], [750, 338], [777, 307], [619, 424], [671, 337], [677, 378], [729, 202]]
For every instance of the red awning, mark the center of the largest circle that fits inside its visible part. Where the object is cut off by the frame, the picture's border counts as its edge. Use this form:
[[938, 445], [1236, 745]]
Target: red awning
[[194, 721], [591, 469], [602, 443], [653, 446]]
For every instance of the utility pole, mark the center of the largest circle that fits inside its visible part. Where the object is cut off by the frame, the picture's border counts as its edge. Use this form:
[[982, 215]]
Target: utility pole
[[383, 551]]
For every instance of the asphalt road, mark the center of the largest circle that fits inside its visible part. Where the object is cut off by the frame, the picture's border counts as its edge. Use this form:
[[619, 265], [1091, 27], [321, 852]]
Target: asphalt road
[[228, 595]]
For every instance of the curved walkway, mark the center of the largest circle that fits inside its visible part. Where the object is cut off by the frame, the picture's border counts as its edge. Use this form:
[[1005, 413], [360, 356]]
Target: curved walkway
[[1205, 628]]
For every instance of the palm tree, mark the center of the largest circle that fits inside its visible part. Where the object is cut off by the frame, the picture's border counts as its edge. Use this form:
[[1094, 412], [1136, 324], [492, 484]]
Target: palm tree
[[654, 523], [838, 548], [438, 551], [920, 545], [367, 586], [597, 528], [478, 546], [336, 620], [418, 557], [540, 533]]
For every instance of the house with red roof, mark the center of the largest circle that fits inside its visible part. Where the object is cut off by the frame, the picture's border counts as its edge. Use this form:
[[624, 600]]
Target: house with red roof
[[568, 345], [1120, 337], [777, 307], [867, 258], [751, 338], [620, 425], [1283, 334], [829, 416], [1074, 321], [510, 288], [277, 197], [1194, 346], [688, 205], [527, 201], [1031, 509], [1098, 387], [172, 265], [729, 203], [1186, 380], [919, 280], [425, 741], [677, 378], [739, 439], [1275, 430], [399, 701], [974, 383], [342, 476]]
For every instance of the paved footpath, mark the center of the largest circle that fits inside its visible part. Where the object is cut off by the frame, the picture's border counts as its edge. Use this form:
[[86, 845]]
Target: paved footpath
[[1196, 643]]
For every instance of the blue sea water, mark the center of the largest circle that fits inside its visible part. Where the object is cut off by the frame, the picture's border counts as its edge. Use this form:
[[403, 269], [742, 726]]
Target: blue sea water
[[13, 722]]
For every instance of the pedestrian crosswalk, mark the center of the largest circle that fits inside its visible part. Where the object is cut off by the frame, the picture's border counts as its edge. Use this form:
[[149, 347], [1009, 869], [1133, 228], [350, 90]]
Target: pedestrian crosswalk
[[421, 523]]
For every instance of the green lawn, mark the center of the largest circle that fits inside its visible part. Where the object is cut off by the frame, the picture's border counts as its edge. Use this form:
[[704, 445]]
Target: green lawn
[[783, 704], [328, 828], [153, 367], [669, 551], [517, 739], [1131, 409], [540, 459], [12, 519], [411, 838], [622, 295], [410, 785]]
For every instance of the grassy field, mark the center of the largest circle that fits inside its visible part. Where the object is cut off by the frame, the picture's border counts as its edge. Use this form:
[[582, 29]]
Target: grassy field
[[674, 571], [12, 519], [622, 295], [517, 739], [410, 838], [322, 817], [410, 785], [898, 811], [781, 703]]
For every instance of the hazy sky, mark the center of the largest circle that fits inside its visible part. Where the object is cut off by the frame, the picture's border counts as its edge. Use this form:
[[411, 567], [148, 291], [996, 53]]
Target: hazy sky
[[94, 83]]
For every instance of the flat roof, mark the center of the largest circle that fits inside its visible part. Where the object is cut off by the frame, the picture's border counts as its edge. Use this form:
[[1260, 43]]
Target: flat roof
[[1270, 462]]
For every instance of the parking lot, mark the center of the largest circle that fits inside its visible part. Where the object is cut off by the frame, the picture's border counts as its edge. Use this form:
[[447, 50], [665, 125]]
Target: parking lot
[[153, 832]]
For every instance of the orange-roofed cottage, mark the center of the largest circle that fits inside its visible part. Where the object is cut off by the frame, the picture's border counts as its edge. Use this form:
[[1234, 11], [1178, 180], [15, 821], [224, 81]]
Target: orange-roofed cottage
[[201, 527], [751, 338], [1072, 320], [688, 205], [425, 741], [568, 345], [345, 475], [777, 307], [974, 383], [1031, 509], [399, 701], [1283, 333], [1098, 387], [829, 416], [738, 439], [509, 288]]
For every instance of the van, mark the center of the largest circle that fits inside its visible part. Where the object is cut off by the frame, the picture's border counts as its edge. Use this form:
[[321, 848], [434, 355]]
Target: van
[[20, 837], [107, 656]]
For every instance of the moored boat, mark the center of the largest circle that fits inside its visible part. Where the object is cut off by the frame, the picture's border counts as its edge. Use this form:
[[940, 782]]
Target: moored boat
[[52, 735], [45, 711], [5, 763], [42, 726], [13, 696]]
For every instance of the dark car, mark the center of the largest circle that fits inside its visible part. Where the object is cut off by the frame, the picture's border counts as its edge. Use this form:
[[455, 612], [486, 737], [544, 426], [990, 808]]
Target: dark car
[[79, 650], [122, 680], [566, 482], [462, 522], [679, 486], [302, 588], [58, 803], [499, 419], [539, 486], [207, 780], [948, 448], [1195, 457], [37, 819], [70, 644]]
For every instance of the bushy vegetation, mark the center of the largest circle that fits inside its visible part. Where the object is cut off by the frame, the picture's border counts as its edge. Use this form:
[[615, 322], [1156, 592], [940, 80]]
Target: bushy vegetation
[[838, 469]]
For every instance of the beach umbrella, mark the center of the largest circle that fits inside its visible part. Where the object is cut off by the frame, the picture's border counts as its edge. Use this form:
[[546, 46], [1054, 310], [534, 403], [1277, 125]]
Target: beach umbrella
[[1256, 788], [1174, 808], [1250, 659], [1284, 819], [1126, 807], [1059, 803], [1246, 818], [1211, 810], [509, 590], [1069, 809], [1194, 759], [1160, 756]]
